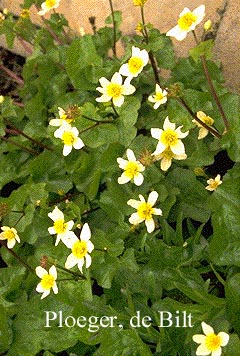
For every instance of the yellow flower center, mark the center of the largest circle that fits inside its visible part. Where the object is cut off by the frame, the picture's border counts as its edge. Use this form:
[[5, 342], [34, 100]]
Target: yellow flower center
[[50, 3], [208, 120], [135, 64], [169, 137], [145, 211], [9, 235], [68, 138], [60, 226], [47, 281], [114, 90], [186, 21], [132, 169], [79, 249], [213, 342], [213, 184], [25, 13], [159, 96]]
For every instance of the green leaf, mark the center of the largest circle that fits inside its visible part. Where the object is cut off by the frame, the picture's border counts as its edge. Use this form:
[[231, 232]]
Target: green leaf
[[203, 49], [224, 247], [232, 291], [5, 331], [82, 55]]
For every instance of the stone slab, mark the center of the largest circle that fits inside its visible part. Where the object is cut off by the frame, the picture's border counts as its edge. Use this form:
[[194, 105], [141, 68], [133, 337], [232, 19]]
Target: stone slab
[[163, 14]]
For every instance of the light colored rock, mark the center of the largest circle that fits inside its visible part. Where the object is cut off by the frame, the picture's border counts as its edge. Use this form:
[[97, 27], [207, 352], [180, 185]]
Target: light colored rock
[[163, 15]]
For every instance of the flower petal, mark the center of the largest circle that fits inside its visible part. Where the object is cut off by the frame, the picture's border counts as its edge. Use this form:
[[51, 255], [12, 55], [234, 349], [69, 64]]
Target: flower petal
[[135, 219], [224, 338], [40, 271], [133, 203], [150, 225], [178, 148], [71, 261], [138, 179], [53, 271], [207, 329], [85, 233], [88, 260], [152, 198]]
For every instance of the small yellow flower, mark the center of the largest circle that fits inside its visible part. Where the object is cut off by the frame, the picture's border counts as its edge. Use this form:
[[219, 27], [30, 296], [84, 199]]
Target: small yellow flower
[[80, 249], [207, 120], [1, 99], [159, 98], [145, 211], [48, 281], [25, 14], [132, 169], [135, 64], [69, 136], [210, 343], [60, 227], [139, 2], [10, 234], [166, 158], [214, 183], [47, 6], [115, 89], [187, 22], [169, 138]]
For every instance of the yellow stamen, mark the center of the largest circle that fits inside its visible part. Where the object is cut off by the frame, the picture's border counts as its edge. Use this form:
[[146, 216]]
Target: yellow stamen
[[169, 137], [213, 342], [159, 96], [9, 234], [114, 90], [132, 169], [68, 138], [60, 226], [186, 21], [135, 64], [50, 3], [79, 249], [145, 211], [168, 154], [47, 281]]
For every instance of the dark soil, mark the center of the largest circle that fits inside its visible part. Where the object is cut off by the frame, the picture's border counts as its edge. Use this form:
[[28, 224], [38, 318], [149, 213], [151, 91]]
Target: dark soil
[[15, 63]]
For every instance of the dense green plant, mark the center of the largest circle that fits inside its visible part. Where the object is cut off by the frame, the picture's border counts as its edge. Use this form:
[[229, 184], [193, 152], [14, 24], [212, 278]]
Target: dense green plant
[[184, 260]]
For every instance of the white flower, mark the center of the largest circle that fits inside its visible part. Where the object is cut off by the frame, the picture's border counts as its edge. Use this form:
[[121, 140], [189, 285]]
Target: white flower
[[60, 227], [159, 98], [132, 169], [214, 183], [166, 158], [9, 234], [207, 120], [187, 22], [145, 211], [169, 138], [48, 281], [69, 136], [63, 118], [80, 249], [135, 64], [115, 90], [211, 344], [47, 6]]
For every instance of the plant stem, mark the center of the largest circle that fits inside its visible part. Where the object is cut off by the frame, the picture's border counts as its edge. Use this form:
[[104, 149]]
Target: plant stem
[[20, 132], [210, 129], [75, 274], [19, 219], [114, 29], [17, 257], [12, 75], [29, 150], [213, 92], [101, 122], [211, 86], [151, 56]]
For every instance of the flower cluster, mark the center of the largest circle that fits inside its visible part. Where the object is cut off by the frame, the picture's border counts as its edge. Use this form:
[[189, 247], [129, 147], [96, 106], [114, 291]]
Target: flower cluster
[[80, 250], [116, 89], [67, 133]]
